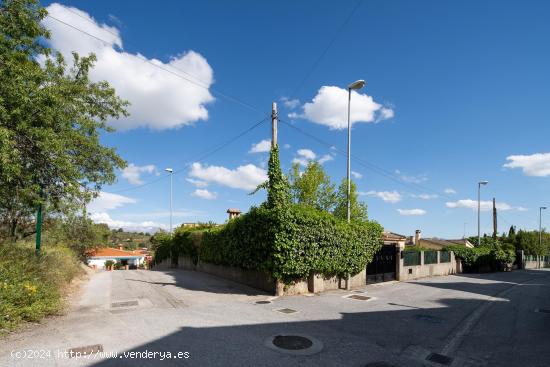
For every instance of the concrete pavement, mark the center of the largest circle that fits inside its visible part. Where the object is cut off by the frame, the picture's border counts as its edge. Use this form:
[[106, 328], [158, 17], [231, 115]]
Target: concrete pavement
[[471, 320]]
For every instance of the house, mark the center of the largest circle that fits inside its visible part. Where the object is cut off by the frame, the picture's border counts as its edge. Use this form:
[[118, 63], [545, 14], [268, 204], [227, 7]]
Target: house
[[391, 238], [97, 258], [436, 243], [233, 213]]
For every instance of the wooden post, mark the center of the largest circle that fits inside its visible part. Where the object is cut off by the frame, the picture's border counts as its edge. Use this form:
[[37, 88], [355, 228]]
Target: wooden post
[[274, 125], [494, 219]]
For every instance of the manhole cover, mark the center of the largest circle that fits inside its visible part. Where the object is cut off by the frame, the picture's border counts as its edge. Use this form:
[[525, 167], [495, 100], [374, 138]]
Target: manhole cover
[[286, 310], [124, 304], [292, 342], [262, 302], [542, 310], [82, 351], [439, 358], [358, 297]]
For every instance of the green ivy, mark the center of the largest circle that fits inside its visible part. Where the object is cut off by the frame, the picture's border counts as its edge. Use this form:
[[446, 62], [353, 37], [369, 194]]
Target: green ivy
[[278, 188], [292, 244]]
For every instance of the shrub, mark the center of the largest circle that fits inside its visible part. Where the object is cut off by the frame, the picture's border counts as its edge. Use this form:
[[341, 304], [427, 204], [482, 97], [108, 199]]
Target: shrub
[[31, 286], [291, 244], [490, 256], [109, 263]]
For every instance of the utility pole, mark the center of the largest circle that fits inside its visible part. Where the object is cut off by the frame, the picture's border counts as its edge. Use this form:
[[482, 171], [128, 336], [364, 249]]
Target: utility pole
[[464, 235], [479, 210], [540, 225], [494, 219], [274, 124], [38, 229]]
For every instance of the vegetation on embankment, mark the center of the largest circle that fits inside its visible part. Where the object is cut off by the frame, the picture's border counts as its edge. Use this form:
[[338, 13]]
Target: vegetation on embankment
[[32, 287]]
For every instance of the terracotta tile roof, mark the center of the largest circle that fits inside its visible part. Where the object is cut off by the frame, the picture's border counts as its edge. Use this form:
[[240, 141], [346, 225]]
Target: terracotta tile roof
[[113, 252], [390, 236]]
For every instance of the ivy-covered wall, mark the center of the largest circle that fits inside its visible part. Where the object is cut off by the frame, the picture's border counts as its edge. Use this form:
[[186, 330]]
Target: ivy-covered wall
[[288, 244]]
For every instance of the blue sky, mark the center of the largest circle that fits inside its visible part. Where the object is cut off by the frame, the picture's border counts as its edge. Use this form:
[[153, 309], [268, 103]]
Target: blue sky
[[453, 90]]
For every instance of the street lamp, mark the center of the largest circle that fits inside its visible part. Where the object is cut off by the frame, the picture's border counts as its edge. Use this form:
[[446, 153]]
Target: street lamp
[[171, 171], [353, 86], [479, 209], [540, 225]]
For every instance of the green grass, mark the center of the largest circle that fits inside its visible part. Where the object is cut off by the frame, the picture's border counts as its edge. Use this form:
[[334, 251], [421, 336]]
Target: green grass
[[32, 287]]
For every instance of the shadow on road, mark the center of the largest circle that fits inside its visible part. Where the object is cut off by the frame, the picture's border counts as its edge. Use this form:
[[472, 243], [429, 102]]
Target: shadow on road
[[400, 335]]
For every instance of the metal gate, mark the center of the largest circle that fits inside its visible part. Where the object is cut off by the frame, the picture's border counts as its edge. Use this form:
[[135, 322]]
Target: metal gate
[[382, 267]]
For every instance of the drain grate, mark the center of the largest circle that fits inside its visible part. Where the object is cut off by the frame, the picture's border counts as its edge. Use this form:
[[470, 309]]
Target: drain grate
[[124, 304], [542, 310], [292, 342], [86, 350], [439, 358], [359, 297], [286, 310], [262, 302]]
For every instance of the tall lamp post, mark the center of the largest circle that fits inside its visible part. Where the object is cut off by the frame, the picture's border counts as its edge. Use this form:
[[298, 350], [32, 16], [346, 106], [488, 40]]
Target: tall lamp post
[[353, 86], [171, 171], [540, 225], [479, 209]]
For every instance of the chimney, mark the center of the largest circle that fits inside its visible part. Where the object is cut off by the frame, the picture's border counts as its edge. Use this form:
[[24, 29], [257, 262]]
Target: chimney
[[417, 235], [120, 247]]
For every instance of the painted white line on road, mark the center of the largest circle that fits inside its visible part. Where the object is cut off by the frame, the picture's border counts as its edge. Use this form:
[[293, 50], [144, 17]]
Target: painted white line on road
[[464, 329]]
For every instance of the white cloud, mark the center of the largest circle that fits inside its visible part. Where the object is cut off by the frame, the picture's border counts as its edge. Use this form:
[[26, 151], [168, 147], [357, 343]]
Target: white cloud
[[532, 165], [425, 196], [329, 107], [290, 103], [129, 226], [205, 194], [246, 177], [108, 201], [472, 204], [356, 175], [159, 99], [449, 191], [132, 173], [197, 183], [307, 154], [411, 211], [261, 147], [410, 178], [325, 158], [387, 196], [304, 156]]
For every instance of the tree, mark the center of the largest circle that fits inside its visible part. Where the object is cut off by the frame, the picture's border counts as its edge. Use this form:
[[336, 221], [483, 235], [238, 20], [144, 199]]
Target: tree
[[312, 187], [278, 189], [51, 116], [358, 210]]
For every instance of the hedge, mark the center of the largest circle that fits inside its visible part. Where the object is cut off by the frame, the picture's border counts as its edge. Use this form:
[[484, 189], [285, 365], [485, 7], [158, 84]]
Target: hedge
[[487, 257], [292, 243]]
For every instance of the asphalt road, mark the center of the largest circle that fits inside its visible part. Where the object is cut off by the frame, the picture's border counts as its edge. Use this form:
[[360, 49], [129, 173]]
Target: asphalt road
[[471, 320]]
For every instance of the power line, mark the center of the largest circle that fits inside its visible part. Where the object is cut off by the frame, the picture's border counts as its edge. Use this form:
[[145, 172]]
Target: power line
[[324, 52], [367, 165], [197, 83], [201, 158]]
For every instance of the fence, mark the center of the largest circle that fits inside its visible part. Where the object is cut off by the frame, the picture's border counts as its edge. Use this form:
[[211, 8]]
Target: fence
[[430, 257], [419, 264], [444, 257], [411, 258]]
